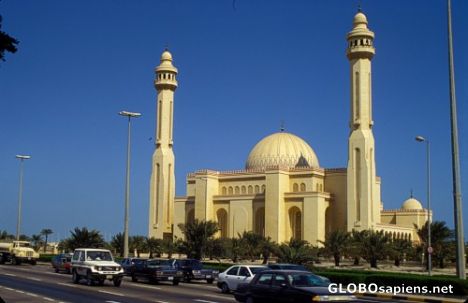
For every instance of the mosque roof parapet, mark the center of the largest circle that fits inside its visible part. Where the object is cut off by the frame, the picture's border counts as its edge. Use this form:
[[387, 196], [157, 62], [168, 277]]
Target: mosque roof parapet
[[393, 227], [254, 171], [401, 210]]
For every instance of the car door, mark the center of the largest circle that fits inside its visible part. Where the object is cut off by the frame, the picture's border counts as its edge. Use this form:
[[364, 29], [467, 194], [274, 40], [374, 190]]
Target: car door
[[260, 289], [243, 276], [231, 277], [280, 290]]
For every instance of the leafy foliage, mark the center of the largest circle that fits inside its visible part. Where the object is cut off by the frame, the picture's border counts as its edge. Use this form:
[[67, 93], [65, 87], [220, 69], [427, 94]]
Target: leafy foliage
[[296, 252], [374, 245], [7, 43], [197, 234], [82, 237], [46, 232], [336, 244], [442, 241]]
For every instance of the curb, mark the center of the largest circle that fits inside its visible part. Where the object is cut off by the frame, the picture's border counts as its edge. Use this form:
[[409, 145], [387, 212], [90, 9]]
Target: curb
[[414, 298]]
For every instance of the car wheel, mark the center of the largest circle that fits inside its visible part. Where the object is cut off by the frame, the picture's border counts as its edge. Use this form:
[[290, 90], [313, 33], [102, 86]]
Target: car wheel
[[209, 281], [134, 278], [33, 262], [56, 269], [175, 282], [249, 300], [89, 279], [187, 279], [225, 288], [117, 282], [75, 277], [101, 282]]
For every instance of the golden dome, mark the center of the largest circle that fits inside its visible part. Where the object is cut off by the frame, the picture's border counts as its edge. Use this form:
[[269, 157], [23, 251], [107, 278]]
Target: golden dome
[[281, 149], [166, 56], [411, 203], [359, 18]]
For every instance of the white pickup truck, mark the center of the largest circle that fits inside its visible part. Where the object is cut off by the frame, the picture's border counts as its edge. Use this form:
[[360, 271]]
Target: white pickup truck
[[18, 252], [95, 265]]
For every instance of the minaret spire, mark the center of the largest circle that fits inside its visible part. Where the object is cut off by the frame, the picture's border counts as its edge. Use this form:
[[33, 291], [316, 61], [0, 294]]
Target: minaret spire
[[363, 191], [162, 184]]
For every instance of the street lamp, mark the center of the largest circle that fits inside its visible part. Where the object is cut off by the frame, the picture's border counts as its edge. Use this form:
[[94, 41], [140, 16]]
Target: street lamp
[[20, 195], [130, 115], [429, 219]]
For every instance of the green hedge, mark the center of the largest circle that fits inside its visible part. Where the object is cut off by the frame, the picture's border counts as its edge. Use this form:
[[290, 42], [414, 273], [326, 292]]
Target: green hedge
[[460, 287], [46, 257]]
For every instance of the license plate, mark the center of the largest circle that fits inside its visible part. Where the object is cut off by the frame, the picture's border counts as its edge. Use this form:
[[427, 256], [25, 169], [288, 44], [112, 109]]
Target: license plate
[[208, 276], [170, 278], [109, 277]]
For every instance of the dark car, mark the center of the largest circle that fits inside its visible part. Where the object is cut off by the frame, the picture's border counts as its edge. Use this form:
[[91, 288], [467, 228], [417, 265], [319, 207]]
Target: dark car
[[193, 270], [155, 270], [62, 262], [128, 265], [289, 266], [292, 286]]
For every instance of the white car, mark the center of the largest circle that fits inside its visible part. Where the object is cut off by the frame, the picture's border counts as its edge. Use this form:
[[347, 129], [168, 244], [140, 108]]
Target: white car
[[237, 274], [95, 265]]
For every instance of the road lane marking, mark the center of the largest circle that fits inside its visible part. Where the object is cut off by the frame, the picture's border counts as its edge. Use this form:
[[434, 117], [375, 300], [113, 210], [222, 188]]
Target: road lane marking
[[111, 293], [31, 294], [147, 286], [32, 278], [204, 301], [112, 302], [219, 297], [9, 288], [48, 299], [11, 275], [158, 301], [69, 285], [20, 291]]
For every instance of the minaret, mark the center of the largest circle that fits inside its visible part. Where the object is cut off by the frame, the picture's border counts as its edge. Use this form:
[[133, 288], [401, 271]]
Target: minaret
[[363, 193], [162, 184]]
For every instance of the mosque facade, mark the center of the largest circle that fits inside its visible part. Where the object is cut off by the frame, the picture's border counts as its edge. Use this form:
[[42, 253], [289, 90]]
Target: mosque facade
[[282, 192]]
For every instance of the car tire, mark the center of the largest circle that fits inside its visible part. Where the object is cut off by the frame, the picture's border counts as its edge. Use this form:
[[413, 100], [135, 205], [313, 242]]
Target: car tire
[[101, 282], [209, 281], [175, 282], [225, 288], [187, 279], [117, 282], [56, 269], [89, 279], [134, 278], [249, 300], [33, 262], [75, 277]]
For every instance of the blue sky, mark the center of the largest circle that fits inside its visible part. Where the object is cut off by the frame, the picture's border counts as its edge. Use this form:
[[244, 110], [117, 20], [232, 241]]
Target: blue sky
[[243, 68]]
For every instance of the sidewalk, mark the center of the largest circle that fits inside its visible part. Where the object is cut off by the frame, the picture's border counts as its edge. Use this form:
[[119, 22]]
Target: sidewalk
[[415, 298]]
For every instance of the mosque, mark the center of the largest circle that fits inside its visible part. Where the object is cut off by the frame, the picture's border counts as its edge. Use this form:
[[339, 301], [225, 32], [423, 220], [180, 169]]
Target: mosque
[[282, 192]]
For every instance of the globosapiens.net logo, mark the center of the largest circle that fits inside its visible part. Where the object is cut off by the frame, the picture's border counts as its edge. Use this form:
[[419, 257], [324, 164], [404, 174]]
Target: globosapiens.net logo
[[373, 288]]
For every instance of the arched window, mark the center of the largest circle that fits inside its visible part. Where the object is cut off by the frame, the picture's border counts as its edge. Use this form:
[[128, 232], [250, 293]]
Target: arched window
[[224, 190], [303, 187], [190, 216], [230, 191], [257, 189], [260, 221], [295, 187], [263, 188], [221, 216], [243, 189], [250, 189], [237, 190], [295, 223]]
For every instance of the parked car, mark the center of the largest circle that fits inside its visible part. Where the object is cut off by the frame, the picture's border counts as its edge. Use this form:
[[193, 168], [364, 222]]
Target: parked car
[[95, 265], [193, 270], [62, 262], [128, 265], [156, 270], [237, 274], [294, 267], [280, 286]]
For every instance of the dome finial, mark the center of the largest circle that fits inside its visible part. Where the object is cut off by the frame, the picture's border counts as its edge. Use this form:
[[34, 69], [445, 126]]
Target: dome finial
[[411, 193], [282, 126], [359, 9]]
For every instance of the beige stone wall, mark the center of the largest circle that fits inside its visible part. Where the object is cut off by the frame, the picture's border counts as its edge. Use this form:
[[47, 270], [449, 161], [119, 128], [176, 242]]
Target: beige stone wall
[[335, 183]]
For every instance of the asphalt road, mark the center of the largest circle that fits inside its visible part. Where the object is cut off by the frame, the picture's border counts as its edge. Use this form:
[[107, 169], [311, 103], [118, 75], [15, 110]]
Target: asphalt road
[[26, 283]]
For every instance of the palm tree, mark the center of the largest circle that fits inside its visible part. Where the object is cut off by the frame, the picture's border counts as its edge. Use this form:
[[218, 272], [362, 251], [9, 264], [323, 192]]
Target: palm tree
[[137, 243], [441, 240], [296, 251], [4, 235], [399, 248], [374, 246], [117, 243], [336, 243], [267, 247], [197, 233], [46, 232], [252, 244], [82, 237], [154, 246], [36, 241]]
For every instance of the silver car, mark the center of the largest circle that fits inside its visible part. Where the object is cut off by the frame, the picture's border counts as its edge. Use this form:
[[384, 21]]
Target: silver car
[[237, 274]]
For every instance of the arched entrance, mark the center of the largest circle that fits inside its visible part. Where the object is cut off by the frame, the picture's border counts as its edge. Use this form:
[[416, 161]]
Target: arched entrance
[[260, 221], [295, 223], [222, 218]]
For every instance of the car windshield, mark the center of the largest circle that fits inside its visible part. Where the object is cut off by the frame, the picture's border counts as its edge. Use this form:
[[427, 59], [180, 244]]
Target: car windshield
[[256, 270], [293, 267], [154, 263], [98, 256], [306, 280]]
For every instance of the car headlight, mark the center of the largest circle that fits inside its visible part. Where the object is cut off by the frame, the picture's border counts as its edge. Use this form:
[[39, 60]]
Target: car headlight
[[180, 273], [215, 271], [97, 268], [195, 272], [159, 273]]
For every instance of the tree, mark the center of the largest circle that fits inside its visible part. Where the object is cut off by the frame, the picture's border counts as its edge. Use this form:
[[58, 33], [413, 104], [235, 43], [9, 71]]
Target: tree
[[336, 243], [399, 248], [441, 240], [83, 238], [36, 241], [251, 243], [154, 246], [137, 243], [197, 233], [296, 251], [46, 232], [215, 248], [117, 243], [4, 235], [374, 246], [267, 247], [7, 43]]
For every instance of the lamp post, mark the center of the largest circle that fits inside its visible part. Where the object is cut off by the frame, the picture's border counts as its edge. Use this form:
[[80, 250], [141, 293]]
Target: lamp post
[[130, 115], [20, 195], [429, 219]]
